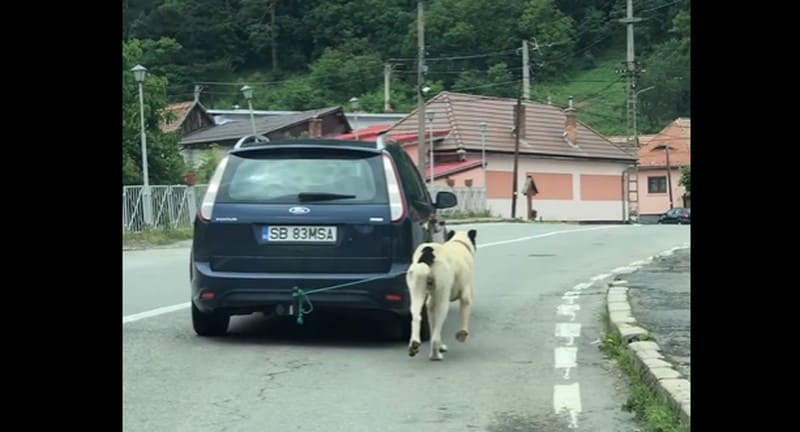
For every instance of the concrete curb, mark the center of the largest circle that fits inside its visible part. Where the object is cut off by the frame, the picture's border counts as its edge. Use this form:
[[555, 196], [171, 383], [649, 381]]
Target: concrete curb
[[646, 355], [180, 244]]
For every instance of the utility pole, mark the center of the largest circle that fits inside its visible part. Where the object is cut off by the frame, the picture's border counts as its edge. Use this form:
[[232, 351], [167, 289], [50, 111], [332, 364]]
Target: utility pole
[[517, 128], [631, 72], [420, 83], [526, 77], [387, 81], [669, 176]]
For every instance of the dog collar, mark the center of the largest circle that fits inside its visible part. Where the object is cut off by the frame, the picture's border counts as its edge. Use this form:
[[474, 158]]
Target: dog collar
[[465, 245]]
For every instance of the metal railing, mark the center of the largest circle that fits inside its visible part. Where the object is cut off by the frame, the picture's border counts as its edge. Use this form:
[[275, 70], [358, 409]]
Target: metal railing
[[174, 206], [471, 200]]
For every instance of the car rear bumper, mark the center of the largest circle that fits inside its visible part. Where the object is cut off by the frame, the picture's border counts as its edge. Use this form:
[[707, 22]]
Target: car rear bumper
[[244, 293]]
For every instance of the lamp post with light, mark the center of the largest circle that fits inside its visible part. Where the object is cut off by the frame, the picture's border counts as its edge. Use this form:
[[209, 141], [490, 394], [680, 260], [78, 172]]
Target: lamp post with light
[[247, 92], [139, 74]]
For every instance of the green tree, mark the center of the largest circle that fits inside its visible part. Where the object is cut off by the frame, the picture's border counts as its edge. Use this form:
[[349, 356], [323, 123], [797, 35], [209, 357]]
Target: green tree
[[667, 69], [555, 32], [165, 164], [686, 178], [209, 164], [346, 71]]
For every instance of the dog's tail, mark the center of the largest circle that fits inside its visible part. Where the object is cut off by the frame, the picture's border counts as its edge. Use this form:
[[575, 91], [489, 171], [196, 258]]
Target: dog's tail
[[420, 271]]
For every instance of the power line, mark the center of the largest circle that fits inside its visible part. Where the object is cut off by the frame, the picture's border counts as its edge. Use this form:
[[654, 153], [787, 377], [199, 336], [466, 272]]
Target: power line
[[660, 7], [460, 89], [461, 57]]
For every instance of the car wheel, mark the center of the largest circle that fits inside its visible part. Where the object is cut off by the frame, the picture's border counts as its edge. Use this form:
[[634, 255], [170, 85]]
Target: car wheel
[[209, 324]]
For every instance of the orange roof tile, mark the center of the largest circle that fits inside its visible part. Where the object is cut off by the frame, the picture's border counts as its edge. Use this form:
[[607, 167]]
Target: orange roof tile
[[179, 111], [462, 114], [677, 135]]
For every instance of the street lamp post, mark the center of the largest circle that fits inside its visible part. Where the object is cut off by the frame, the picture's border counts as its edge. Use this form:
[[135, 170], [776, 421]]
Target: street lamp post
[[430, 115], [140, 73], [355, 106], [247, 92]]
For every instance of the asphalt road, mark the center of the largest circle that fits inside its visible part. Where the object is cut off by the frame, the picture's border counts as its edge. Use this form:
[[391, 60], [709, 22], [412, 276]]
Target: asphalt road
[[518, 367]]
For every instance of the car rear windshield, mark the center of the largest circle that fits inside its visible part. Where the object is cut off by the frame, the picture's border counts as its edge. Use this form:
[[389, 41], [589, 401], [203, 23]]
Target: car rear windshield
[[282, 176]]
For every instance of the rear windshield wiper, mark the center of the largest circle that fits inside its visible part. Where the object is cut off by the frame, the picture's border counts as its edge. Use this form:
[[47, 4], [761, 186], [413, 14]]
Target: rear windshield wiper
[[321, 196]]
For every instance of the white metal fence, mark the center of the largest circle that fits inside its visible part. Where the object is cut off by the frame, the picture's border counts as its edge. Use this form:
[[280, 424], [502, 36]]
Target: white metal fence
[[174, 206], [471, 200]]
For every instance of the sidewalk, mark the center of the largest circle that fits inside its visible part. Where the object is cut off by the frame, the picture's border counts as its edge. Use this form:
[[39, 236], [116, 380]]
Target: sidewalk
[[650, 307]]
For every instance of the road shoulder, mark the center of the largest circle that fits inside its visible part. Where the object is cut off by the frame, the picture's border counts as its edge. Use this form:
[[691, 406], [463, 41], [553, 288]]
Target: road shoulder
[[647, 356]]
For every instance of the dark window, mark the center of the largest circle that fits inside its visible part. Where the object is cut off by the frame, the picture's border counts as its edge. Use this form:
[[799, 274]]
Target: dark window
[[656, 184], [279, 176], [414, 187]]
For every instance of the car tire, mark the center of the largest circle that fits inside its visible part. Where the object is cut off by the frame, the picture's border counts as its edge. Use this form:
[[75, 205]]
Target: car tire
[[209, 324]]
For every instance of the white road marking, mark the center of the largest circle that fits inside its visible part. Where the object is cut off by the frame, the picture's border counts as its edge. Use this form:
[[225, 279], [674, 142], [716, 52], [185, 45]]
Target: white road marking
[[570, 297], [551, 233], [582, 286], [566, 358], [569, 310], [568, 398], [173, 308], [623, 269], [569, 331], [154, 312]]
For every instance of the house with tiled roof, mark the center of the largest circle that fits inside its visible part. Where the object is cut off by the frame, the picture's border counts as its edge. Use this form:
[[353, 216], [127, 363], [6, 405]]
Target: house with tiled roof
[[661, 160], [576, 173], [186, 117], [315, 123]]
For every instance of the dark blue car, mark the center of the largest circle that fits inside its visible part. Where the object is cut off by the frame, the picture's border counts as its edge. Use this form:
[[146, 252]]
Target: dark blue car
[[309, 214]]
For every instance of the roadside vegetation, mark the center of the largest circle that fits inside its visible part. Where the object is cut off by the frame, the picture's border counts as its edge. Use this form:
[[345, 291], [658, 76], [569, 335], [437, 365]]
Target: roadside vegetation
[[651, 410]]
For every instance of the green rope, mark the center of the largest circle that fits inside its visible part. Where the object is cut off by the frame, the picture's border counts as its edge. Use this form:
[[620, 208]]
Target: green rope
[[302, 296]]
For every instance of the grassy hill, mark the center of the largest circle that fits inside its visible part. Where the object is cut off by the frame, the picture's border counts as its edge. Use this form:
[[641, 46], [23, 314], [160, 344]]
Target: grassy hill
[[598, 95]]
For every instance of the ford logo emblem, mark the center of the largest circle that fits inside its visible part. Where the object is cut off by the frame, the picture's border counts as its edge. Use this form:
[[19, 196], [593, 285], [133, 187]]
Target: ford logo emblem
[[299, 210]]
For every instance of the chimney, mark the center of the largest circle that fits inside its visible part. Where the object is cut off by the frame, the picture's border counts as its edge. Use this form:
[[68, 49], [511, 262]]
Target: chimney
[[315, 128], [571, 124], [522, 120]]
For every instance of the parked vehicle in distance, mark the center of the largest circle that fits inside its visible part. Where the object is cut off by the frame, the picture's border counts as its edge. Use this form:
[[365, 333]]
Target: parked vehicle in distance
[[678, 215]]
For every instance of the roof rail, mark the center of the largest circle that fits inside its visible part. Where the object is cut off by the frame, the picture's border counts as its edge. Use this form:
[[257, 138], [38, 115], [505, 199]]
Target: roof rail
[[382, 140], [254, 139]]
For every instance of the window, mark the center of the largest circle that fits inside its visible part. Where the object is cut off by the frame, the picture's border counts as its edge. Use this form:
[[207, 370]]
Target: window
[[413, 185], [279, 178], [657, 184]]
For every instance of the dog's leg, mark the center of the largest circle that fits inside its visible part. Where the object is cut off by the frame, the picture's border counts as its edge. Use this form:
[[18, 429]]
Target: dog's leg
[[431, 311], [466, 306], [417, 299], [440, 306]]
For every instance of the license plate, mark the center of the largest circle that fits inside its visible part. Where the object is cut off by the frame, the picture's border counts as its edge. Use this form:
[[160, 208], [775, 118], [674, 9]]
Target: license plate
[[298, 234]]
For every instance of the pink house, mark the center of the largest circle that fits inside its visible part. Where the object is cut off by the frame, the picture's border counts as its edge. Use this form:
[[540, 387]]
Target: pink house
[[660, 163], [578, 173]]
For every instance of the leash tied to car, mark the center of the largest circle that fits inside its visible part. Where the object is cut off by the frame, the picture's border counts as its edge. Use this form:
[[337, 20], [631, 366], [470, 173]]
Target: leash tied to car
[[304, 305]]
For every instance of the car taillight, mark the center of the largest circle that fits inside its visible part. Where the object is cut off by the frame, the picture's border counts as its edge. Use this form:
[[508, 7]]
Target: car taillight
[[397, 202], [684, 215], [207, 206]]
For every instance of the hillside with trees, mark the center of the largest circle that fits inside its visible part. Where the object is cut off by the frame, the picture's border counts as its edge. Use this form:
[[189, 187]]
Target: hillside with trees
[[304, 54]]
